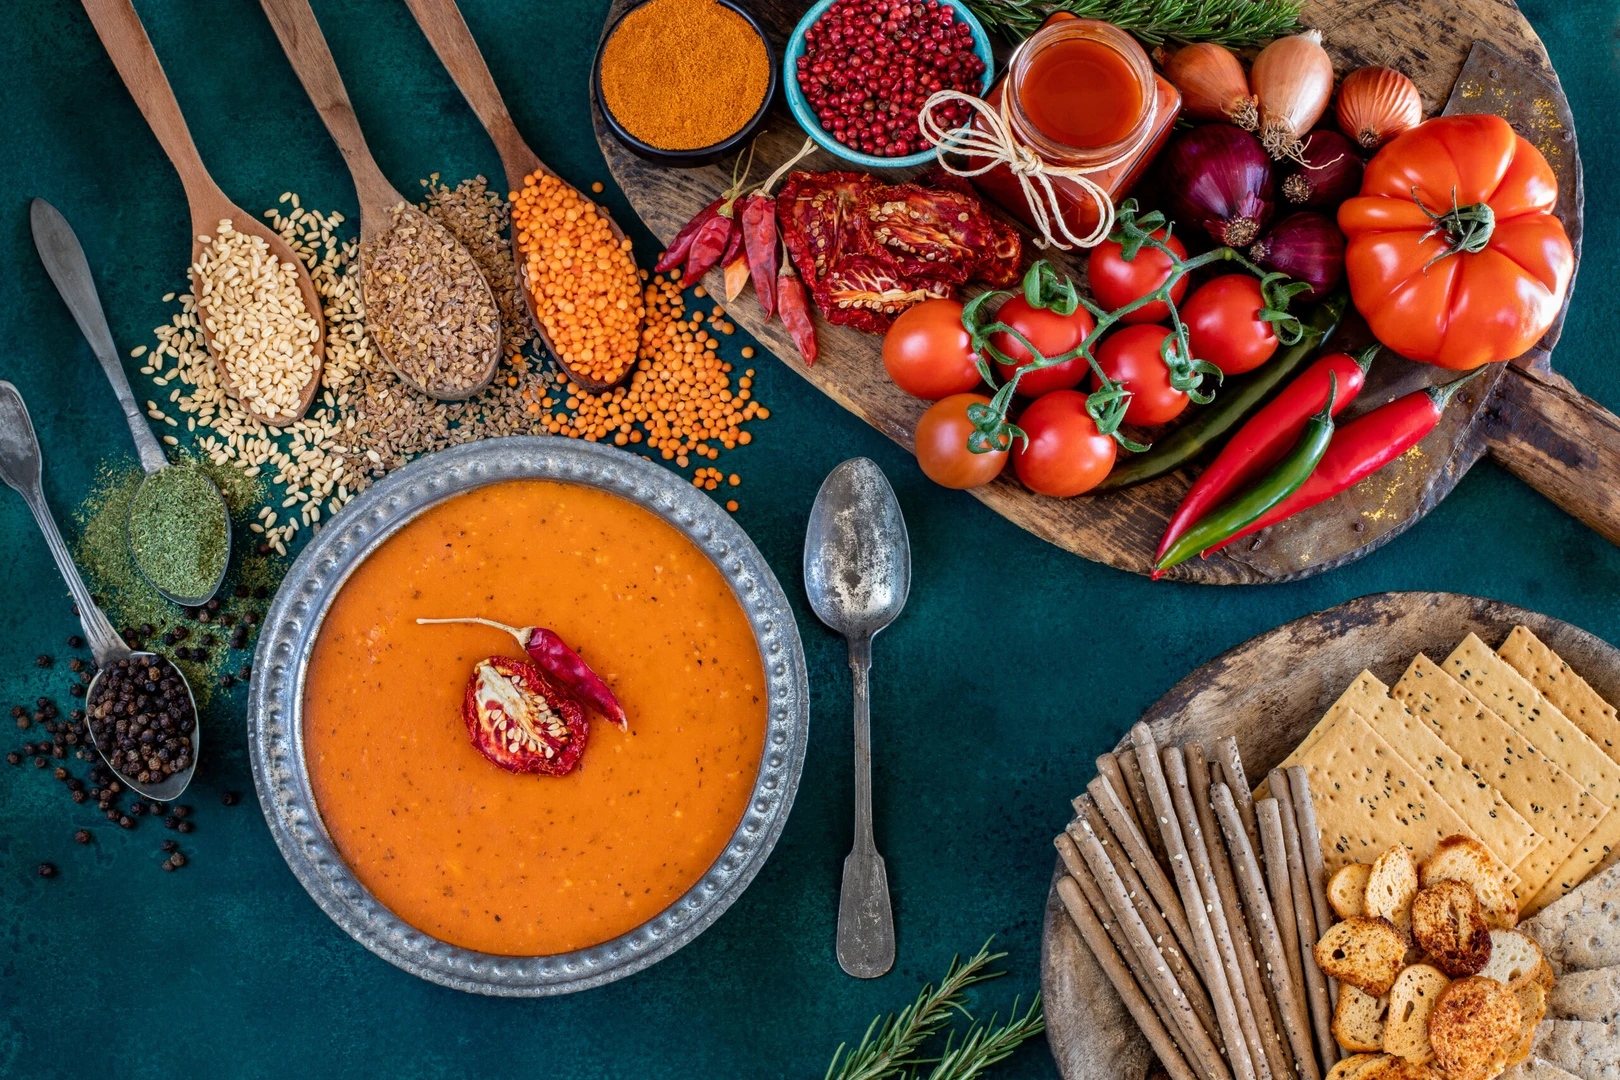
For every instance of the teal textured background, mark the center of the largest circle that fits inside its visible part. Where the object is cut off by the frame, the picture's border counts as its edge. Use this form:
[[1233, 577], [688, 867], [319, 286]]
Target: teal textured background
[[1013, 666]]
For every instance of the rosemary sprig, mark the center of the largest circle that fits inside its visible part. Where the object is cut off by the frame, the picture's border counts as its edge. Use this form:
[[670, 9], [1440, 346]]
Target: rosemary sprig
[[884, 1052], [1233, 23]]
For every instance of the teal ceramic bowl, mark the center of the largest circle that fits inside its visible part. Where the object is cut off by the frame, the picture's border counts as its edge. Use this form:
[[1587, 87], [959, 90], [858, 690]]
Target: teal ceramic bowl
[[807, 117]]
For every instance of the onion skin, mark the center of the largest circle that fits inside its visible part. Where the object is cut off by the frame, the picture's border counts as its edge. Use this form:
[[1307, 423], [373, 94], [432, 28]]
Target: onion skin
[[1220, 179], [1327, 173], [1307, 247], [1293, 80], [1213, 85], [1376, 104]]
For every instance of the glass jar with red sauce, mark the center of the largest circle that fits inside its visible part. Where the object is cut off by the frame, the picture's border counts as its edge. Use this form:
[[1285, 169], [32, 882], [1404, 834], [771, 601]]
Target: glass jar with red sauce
[[1080, 93]]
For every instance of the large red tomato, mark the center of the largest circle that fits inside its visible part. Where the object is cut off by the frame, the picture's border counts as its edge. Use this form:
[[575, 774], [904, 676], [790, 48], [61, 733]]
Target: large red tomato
[[1066, 455], [1457, 287], [1115, 282], [942, 450], [928, 352], [1132, 356], [1053, 335], [1224, 324]]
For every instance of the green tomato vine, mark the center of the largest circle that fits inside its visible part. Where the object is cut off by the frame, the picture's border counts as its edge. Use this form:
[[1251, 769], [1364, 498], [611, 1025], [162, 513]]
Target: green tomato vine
[[1044, 287]]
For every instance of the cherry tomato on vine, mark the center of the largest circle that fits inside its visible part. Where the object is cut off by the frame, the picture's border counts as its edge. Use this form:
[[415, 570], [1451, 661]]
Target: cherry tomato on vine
[[928, 353], [1224, 325], [1053, 335], [1115, 282], [942, 450], [1131, 356], [1066, 455]]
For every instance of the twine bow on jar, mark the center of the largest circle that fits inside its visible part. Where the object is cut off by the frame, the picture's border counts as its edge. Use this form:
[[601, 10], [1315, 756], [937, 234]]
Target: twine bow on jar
[[998, 143]]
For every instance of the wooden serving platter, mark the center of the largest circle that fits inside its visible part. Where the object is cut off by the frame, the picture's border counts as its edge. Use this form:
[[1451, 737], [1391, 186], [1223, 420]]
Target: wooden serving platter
[[1268, 692], [1525, 415]]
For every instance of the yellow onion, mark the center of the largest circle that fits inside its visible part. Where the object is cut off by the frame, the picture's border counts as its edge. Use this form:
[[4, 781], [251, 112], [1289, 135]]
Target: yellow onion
[[1293, 80], [1376, 104], [1212, 84]]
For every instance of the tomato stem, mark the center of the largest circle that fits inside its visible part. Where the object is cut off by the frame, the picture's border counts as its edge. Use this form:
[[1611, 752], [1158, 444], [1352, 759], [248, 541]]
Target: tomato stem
[[1467, 229]]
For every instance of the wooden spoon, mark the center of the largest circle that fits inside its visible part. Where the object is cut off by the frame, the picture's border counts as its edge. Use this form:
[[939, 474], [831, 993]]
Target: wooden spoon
[[446, 30], [126, 42], [301, 38]]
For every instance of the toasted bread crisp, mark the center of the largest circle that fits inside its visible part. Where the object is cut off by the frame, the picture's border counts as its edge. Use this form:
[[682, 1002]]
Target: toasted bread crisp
[[1470, 1027], [1516, 960], [1411, 1000], [1532, 998], [1464, 859], [1448, 922], [1391, 886], [1401, 1069], [1366, 953], [1357, 1066], [1347, 890], [1358, 1020]]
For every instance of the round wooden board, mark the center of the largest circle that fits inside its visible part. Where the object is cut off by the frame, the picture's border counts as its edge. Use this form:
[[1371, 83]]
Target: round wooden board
[[1269, 692], [1429, 40]]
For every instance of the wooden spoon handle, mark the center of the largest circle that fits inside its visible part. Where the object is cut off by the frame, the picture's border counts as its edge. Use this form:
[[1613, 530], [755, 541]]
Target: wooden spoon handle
[[305, 46], [446, 30], [1560, 442], [125, 40]]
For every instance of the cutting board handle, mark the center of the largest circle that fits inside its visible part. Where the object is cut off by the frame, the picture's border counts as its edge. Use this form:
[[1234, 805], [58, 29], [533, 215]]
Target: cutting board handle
[[1560, 442]]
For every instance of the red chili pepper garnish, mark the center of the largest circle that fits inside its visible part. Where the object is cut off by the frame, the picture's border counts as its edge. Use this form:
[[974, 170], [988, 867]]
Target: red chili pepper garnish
[[1362, 447], [682, 244], [759, 241], [794, 307], [710, 243], [734, 242], [1267, 436], [561, 664], [520, 721]]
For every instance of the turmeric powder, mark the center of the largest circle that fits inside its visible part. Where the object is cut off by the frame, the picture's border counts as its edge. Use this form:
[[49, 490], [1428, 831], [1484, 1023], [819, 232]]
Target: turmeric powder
[[684, 74]]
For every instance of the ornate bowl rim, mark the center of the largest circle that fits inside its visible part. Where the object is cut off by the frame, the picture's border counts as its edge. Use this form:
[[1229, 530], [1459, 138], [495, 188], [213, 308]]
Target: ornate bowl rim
[[275, 710]]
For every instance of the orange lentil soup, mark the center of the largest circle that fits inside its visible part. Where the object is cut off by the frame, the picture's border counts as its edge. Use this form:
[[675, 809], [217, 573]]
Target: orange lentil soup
[[530, 865]]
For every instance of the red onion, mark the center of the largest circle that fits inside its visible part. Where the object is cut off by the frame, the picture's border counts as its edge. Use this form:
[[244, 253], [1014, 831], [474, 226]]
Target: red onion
[[1307, 247], [1219, 178], [1327, 173]]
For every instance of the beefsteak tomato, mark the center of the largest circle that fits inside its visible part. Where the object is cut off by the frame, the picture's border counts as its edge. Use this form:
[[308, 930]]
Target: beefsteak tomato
[[1454, 255]]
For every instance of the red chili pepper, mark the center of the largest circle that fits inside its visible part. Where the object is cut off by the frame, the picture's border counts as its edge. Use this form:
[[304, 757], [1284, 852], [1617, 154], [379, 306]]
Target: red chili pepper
[[1267, 436], [794, 306], [520, 721], [759, 240], [682, 243], [1362, 447], [560, 663], [711, 241]]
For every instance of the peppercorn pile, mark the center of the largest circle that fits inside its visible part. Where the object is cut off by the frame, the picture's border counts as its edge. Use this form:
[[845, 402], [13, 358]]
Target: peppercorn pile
[[142, 718]]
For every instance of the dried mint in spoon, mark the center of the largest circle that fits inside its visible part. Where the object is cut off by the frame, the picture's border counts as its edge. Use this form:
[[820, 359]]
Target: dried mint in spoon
[[178, 531]]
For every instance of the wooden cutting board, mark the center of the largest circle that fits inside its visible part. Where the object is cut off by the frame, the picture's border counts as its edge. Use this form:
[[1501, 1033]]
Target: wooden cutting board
[[1268, 692], [1529, 418]]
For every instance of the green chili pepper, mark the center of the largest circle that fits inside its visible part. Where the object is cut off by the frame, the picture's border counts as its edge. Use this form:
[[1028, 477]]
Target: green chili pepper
[[1239, 399], [1244, 510]]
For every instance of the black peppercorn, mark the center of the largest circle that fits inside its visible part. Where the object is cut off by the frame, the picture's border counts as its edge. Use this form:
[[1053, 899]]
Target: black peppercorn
[[158, 808], [59, 751], [199, 654], [205, 616], [42, 660], [78, 796], [112, 815], [61, 773], [239, 639], [18, 710], [177, 859], [167, 865], [184, 826], [230, 798], [75, 641], [261, 593], [82, 836], [181, 633], [126, 822], [76, 690], [182, 811], [245, 672], [170, 845], [14, 758], [190, 612], [241, 592], [138, 809], [171, 822], [75, 664], [182, 653], [76, 714], [41, 702], [251, 618], [227, 679], [213, 604], [23, 722], [39, 763], [47, 870], [262, 548]]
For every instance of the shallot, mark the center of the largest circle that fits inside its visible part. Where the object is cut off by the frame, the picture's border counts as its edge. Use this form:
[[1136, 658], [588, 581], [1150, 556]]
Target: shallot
[[1220, 179], [1376, 104], [1293, 80], [1307, 247], [1327, 172], [1212, 84]]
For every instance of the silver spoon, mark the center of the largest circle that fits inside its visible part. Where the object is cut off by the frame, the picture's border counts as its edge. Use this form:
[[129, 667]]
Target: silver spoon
[[857, 572], [64, 261], [21, 468]]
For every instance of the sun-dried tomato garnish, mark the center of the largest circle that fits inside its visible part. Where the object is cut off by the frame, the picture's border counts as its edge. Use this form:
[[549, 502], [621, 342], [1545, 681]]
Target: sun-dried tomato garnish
[[519, 720], [868, 291], [933, 233]]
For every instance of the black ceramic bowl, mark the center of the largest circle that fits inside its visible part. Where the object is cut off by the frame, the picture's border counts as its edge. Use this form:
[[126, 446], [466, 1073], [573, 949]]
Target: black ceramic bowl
[[706, 155]]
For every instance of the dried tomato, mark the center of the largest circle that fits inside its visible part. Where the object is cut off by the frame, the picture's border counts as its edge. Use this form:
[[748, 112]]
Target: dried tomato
[[868, 291], [819, 222], [935, 233], [520, 721]]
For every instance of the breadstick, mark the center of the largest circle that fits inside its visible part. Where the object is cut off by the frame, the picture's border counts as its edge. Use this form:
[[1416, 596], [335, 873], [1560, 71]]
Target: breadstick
[[1265, 926], [1152, 917], [1115, 811], [1200, 1047], [1310, 842], [1316, 994], [1192, 832], [1131, 768], [1192, 902], [1111, 773], [1254, 987], [1226, 752], [1108, 958]]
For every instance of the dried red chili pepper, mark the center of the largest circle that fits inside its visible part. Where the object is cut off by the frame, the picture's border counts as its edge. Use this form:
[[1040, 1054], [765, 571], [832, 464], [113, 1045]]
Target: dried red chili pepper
[[560, 663], [710, 243], [682, 244], [759, 241], [794, 307], [520, 721]]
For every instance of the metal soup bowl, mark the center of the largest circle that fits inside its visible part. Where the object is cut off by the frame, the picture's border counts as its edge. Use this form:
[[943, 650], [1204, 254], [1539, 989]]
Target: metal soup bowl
[[276, 718]]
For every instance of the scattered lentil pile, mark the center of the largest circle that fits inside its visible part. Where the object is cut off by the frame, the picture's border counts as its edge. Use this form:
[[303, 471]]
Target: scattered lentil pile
[[684, 74], [179, 533], [583, 279], [142, 719], [266, 337], [428, 307]]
